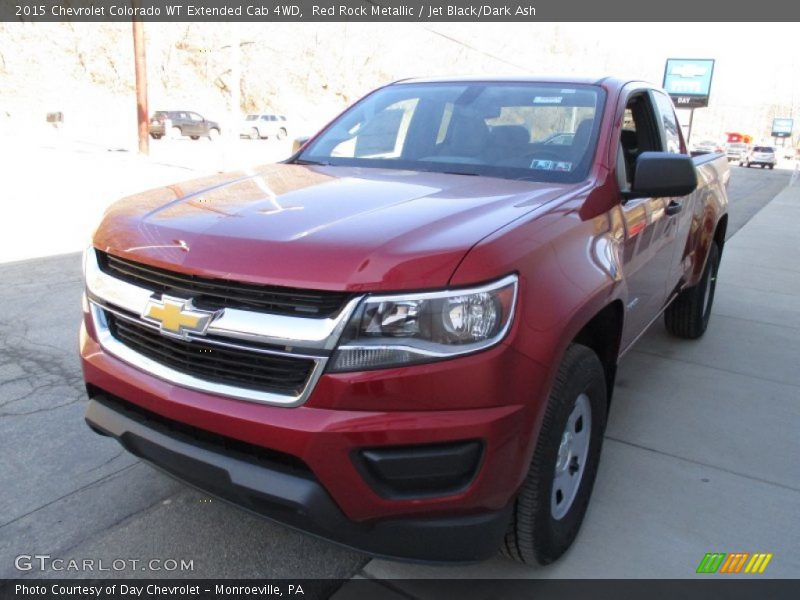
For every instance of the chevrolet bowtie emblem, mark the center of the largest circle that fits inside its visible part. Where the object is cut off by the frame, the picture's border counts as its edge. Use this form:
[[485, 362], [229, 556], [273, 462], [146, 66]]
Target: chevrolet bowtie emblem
[[177, 317]]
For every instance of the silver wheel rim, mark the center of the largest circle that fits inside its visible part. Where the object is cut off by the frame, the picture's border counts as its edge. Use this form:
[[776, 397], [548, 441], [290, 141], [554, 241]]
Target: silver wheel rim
[[571, 459]]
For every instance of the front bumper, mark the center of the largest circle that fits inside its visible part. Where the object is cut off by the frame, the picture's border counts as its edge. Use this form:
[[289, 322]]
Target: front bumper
[[294, 499], [455, 401]]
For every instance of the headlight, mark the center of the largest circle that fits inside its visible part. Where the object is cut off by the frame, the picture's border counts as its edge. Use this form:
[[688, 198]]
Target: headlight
[[404, 329]]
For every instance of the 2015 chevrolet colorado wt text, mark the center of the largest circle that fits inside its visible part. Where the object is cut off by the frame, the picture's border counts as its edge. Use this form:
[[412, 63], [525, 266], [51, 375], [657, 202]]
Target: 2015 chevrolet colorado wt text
[[405, 337]]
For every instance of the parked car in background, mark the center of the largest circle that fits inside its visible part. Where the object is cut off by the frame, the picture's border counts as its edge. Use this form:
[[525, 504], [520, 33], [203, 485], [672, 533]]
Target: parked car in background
[[707, 147], [736, 151], [763, 156], [559, 139], [261, 126], [179, 123]]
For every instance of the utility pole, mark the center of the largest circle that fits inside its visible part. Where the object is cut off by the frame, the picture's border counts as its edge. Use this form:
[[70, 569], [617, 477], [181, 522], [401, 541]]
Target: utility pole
[[141, 84]]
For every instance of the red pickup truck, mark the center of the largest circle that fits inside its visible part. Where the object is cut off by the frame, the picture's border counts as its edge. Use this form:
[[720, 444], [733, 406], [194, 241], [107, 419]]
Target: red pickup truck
[[404, 338]]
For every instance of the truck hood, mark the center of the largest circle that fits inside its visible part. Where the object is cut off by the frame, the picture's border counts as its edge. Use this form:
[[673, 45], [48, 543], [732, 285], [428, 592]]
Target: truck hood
[[332, 228]]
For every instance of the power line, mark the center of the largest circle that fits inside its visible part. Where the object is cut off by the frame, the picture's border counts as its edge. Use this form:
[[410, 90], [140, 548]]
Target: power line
[[478, 50]]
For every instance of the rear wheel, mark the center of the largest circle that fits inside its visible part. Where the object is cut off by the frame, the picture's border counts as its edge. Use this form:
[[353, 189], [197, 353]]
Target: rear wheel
[[195, 137], [254, 134], [551, 505], [281, 133], [213, 134], [155, 136], [688, 315]]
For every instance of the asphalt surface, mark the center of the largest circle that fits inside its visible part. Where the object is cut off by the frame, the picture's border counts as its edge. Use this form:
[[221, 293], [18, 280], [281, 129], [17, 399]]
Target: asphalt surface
[[69, 493]]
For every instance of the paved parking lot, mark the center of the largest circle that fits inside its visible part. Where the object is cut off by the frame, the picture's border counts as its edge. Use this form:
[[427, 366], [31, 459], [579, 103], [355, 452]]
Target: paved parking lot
[[700, 452]]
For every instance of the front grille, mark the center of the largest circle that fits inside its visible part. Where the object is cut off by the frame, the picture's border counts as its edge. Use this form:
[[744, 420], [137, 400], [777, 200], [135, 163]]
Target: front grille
[[214, 294], [237, 367]]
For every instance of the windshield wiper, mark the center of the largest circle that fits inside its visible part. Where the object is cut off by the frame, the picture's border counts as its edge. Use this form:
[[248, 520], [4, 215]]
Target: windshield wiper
[[303, 161]]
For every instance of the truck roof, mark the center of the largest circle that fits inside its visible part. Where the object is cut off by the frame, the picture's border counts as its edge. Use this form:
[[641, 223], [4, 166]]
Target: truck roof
[[608, 81]]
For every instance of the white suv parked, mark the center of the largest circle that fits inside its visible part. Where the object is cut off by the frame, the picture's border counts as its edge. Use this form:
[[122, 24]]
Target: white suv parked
[[764, 156], [264, 126]]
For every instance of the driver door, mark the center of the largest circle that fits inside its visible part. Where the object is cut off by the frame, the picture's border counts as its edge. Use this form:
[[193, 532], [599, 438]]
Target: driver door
[[649, 230]]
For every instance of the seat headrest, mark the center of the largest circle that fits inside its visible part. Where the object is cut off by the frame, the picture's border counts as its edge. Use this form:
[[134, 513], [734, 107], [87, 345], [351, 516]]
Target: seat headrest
[[468, 134], [510, 135]]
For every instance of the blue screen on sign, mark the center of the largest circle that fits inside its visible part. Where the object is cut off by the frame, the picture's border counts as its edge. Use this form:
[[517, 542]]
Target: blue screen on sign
[[688, 77], [782, 126]]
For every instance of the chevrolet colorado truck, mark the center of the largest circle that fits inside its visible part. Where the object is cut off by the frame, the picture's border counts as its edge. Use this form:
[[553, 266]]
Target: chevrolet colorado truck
[[404, 338]]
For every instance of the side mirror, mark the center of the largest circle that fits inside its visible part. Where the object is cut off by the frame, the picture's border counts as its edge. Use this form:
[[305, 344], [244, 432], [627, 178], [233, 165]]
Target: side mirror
[[660, 174], [299, 143]]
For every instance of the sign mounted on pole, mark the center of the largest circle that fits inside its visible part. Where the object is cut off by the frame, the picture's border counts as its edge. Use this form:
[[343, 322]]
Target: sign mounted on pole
[[688, 81], [782, 127]]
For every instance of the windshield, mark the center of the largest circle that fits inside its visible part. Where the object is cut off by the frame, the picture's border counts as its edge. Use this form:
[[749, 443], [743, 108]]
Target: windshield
[[539, 132], [765, 149]]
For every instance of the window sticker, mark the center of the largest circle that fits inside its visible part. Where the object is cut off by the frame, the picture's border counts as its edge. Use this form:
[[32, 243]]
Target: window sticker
[[548, 99], [551, 165]]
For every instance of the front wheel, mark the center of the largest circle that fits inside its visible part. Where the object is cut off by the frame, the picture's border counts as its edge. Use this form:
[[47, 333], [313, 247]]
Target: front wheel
[[254, 134], [213, 134], [281, 135], [552, 502], [688, 315]]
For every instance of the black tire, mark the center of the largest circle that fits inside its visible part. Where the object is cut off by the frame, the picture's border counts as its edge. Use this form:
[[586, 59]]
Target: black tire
[[155, 136], [688, 315], [534, 535], [195, 137], [771, 167], [281, 135]]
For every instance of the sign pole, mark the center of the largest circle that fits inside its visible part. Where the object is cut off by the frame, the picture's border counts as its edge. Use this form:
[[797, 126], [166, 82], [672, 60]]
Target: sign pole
[[689, 132], [140, 67]]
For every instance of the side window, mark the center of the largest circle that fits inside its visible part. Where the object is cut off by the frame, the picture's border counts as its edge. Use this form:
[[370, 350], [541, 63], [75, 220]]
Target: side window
[[639, 133], [669, 122], [447, 115]]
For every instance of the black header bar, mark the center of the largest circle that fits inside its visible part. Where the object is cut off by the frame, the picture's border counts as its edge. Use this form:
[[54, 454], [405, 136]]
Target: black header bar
[[400, 11]]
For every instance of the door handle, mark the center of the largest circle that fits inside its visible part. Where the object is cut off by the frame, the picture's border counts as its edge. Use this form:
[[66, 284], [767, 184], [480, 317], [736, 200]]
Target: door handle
[[673, 208]]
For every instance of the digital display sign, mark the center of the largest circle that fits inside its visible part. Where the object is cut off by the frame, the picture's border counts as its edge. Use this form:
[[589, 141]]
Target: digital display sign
[[782, 127]]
